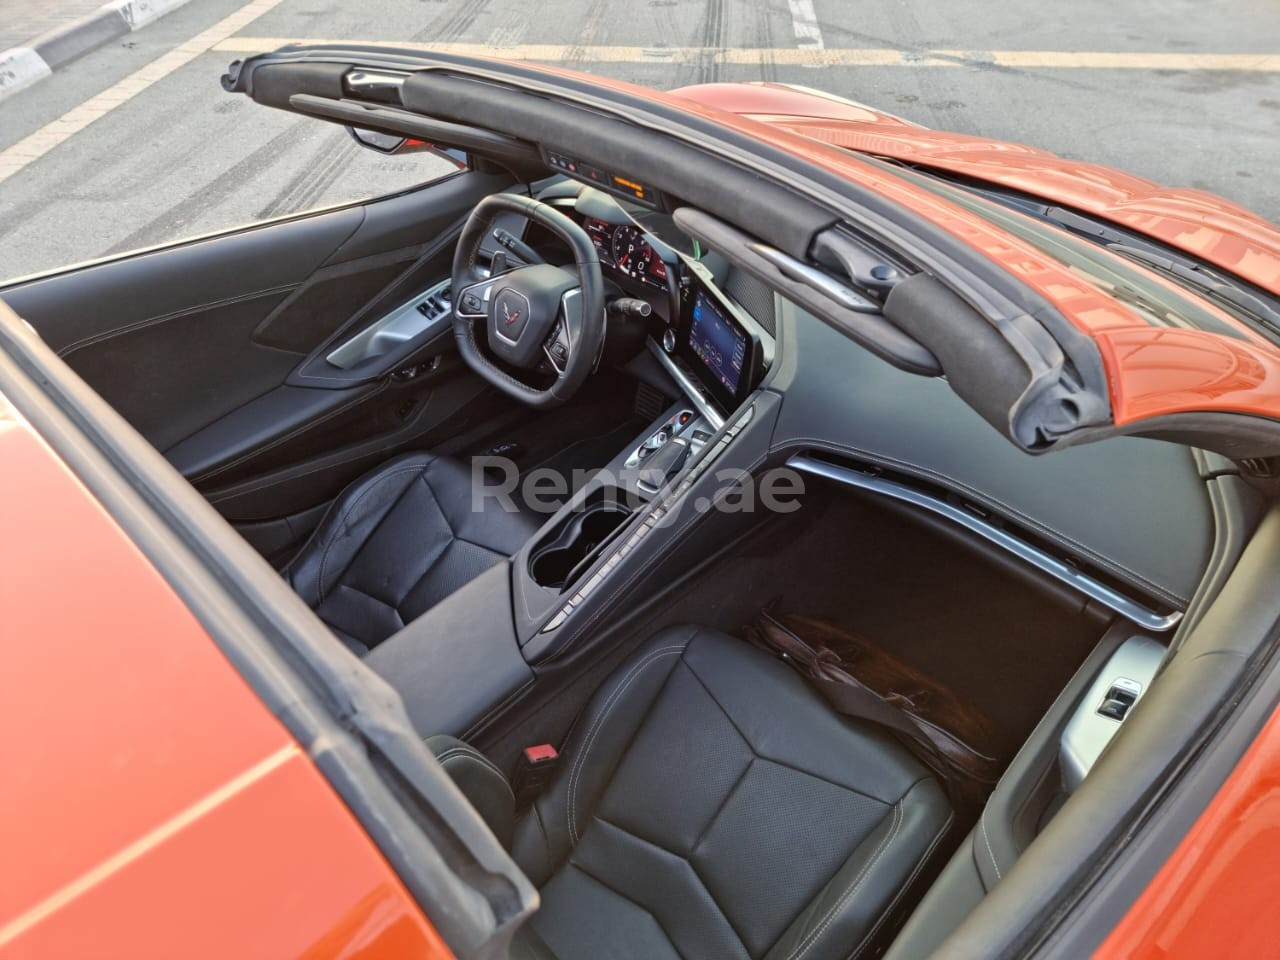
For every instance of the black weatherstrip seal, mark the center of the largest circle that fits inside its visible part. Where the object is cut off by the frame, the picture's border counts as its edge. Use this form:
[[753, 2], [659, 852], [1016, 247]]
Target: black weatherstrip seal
[[351, 723]]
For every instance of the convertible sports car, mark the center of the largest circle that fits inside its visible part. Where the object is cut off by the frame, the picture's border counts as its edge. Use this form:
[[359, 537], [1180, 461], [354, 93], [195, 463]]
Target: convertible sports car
[[725, 523]]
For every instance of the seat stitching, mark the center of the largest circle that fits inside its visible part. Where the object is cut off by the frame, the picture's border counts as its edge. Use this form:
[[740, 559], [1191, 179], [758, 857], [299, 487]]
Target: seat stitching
[[435, 561], [467, 750], [803, 947], [715, 816], [431, 492], [780, 763], [687, 861], [595, 728], [636, 903], [600, 818], [324, 557], [365, 593], [457, 753], [982, 822], [920, 864]]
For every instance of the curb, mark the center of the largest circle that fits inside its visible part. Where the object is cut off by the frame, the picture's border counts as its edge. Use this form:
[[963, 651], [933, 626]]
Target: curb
[[20, 67]]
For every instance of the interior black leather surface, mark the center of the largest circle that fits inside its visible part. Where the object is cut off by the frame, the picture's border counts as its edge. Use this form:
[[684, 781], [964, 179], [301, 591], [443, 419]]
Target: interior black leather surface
[[396, 542], [481, 782], [710, 804]]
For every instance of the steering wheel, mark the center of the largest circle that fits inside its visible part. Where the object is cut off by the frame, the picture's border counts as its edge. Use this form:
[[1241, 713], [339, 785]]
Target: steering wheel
[[532, 313]]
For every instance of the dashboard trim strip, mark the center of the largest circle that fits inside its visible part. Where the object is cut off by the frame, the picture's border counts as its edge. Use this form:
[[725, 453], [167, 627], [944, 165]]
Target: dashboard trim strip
[[1113, 600], [691, 389]]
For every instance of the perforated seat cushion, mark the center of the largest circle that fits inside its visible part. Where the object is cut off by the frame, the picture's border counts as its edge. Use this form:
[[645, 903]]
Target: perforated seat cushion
[[398, 541], [710, 805]]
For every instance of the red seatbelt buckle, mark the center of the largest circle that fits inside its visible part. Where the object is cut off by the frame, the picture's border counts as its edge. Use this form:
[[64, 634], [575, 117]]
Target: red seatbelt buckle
[[534, 771]]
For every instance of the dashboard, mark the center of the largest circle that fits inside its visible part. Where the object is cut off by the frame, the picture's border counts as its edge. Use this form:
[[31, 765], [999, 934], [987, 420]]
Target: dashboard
[[700, 329], [696, 327], [846, 403]]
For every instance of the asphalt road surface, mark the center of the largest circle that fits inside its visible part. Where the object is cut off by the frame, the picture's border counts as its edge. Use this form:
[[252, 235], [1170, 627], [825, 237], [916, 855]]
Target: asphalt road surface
[[136, 144]]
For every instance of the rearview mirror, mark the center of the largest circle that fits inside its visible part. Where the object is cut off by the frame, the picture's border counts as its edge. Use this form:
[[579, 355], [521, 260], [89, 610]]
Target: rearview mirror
[[376, 140], [394, 143]]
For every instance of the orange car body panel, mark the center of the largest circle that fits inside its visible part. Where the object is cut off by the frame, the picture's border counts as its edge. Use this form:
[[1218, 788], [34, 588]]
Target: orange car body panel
[[1196, 222], [152, 806], [1216, 894]]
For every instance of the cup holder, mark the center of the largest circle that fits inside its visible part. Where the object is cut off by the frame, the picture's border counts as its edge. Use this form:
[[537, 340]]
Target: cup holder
[[574, 541]]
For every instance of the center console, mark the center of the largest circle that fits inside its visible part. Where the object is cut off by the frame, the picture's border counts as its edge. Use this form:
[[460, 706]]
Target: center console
[[644, 516], [716, 354]]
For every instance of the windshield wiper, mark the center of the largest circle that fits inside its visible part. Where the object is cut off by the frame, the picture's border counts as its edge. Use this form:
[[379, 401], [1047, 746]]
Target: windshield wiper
[[1184, 269], [1180, 268], [1197, 276]]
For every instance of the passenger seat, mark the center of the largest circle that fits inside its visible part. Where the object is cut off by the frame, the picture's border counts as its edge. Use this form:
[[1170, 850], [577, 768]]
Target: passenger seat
[[709, 803]]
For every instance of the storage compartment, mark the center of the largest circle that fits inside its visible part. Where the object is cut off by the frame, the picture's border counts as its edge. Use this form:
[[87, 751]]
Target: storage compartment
[[575, 542], [1000, 636]]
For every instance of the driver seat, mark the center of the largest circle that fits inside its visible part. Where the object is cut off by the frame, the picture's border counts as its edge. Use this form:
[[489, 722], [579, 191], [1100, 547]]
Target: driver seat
[[396, 542]]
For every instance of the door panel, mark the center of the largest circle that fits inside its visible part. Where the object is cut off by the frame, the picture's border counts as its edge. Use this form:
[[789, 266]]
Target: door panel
[[169, 376], [214, 348]]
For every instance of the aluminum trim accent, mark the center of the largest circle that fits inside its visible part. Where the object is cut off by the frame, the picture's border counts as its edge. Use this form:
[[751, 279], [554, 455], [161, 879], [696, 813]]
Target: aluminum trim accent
[[1134, 664], [828, 286], [393, 329], [565, 299], [1113, 600], [675, 488], [686, 383]]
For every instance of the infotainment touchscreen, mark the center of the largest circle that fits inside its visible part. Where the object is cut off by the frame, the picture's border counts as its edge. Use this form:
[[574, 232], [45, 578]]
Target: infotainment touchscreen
[[716, 340]]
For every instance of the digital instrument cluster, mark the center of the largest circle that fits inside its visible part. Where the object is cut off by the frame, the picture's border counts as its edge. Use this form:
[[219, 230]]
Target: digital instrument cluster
[[623, 248]]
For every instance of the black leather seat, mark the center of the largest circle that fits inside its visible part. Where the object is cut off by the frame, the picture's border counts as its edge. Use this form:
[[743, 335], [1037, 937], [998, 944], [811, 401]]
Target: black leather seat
[[709, 804], [396, 542]]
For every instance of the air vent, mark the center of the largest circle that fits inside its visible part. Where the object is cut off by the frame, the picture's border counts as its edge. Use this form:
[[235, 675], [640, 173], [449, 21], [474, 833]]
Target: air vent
[[1264, 468]]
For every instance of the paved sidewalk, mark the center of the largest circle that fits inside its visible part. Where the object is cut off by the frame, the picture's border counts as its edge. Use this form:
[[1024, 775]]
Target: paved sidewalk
[[21, 21], [40, 36]]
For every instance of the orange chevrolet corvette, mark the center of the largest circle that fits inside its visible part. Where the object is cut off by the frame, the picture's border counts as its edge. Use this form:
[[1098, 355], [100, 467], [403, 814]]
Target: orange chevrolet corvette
[[725, 523]]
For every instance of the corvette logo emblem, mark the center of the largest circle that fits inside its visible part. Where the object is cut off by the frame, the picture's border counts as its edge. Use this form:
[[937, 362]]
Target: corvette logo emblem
[[511, 313]]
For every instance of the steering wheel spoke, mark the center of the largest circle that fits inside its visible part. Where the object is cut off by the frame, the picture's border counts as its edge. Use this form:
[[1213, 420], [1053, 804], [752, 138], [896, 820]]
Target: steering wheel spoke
[[533, 314], [558, 346]]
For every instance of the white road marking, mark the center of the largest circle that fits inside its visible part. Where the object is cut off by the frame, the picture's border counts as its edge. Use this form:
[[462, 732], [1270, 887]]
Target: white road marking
[[804, 22], [35, 146], [824, 57]]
